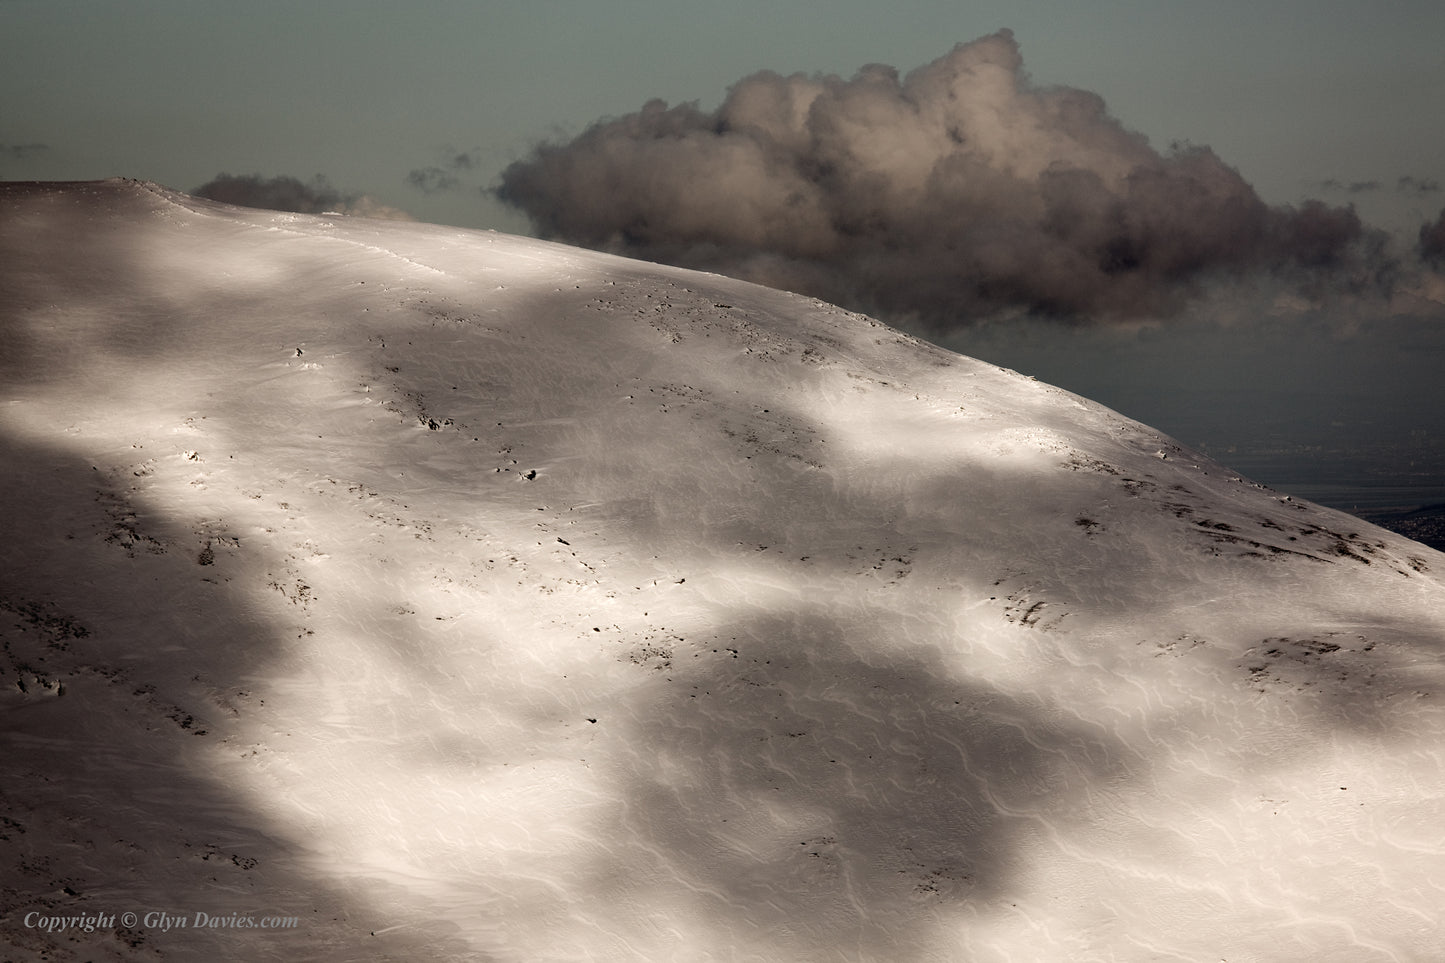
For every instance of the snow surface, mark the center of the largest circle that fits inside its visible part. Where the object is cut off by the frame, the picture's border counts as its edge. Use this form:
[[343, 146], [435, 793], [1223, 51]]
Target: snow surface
[[468, 597]]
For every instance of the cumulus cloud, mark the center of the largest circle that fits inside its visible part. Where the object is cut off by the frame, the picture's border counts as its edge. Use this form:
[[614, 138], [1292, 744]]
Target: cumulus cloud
[[284, 193], [959, 191]]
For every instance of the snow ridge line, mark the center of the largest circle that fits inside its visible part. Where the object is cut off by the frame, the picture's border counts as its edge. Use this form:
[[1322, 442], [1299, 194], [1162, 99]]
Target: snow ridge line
[[173, 198]]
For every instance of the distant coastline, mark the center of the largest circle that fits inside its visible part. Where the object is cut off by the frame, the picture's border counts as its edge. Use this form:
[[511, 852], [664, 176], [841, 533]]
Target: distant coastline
[[1402, 491], [1425, 524], [1415, 511]]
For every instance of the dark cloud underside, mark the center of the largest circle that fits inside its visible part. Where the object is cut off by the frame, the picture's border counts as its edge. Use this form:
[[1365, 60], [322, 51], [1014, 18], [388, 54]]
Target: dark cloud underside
[[275, 193], [958, 191], [1432, 241], [285, 193]]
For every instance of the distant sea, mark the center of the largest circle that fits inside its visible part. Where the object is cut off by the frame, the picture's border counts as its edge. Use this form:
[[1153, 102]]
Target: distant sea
[[1381, 463], [1386, 487], [1385, 467], [1355, 423]]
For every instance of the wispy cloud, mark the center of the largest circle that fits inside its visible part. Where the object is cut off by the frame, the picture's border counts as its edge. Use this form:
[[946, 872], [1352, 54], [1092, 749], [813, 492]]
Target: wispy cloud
[[1350, 187], [446, 175], [1417, 185], [284, 193], [433, 180], [960, 190], [22, 151], [1408, 184]]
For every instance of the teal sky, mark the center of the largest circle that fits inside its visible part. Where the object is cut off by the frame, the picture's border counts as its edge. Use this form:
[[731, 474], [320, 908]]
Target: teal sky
[[1304, 98]]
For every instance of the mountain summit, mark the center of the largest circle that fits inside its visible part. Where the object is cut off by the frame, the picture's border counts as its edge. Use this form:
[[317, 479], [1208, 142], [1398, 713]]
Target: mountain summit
[[377, 590]]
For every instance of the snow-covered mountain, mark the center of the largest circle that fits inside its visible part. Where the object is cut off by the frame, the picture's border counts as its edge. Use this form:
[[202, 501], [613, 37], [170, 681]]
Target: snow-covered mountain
[[445, 595]]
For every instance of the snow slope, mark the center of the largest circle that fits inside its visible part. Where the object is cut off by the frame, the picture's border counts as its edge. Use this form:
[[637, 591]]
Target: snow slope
[[468, 597]]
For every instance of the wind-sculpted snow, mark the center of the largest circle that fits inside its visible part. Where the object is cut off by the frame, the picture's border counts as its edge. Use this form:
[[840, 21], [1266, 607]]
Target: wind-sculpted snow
[[448, 595]]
